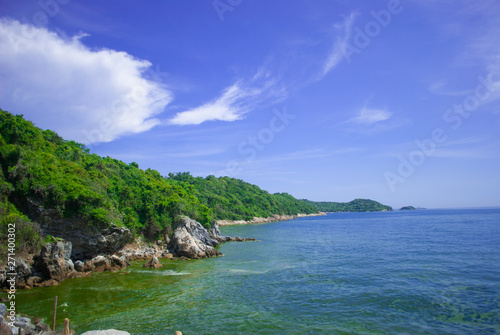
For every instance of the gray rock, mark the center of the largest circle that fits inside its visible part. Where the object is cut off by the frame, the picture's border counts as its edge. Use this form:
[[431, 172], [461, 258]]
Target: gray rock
[[106, 263], [23, 273], [106, 332], [191, 240], [118, 263], [214, 230], [54, 260], [79, 266], [3, 309]]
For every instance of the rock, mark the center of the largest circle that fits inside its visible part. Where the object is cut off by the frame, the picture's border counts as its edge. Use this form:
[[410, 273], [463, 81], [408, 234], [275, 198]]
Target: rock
[[41, 327], [153, 263], [198, 231], [106, 332], [3, 309], [79, 266], [4, 328], [54, 260], [118, 263], [23, 273], [33, 281], [214, 230], [25, 324], [105, 263], [192, 240]]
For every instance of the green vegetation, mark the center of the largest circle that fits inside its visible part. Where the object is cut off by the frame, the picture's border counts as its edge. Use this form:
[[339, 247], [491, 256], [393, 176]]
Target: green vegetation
[[357, 205], [407, 208], [233, 199]]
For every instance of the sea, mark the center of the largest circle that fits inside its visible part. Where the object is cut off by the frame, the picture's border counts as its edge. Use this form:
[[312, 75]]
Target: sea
[[433, 271]]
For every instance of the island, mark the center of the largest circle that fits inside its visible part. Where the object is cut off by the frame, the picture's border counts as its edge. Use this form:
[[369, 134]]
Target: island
[[407, 208]]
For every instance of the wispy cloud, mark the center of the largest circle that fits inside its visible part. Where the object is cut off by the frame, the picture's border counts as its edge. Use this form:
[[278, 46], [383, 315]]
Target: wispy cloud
[[87, 95], [371, 116], [338, 49]]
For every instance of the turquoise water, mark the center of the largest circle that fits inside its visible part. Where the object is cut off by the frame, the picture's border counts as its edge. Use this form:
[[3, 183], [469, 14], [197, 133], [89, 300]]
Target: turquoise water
[[409, 272]]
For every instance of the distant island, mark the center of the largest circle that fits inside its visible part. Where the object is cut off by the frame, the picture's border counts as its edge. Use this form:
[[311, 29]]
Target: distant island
[[407, 208]]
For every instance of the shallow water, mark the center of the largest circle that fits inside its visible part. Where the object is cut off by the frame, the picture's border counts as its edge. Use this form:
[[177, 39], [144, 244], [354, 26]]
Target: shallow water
[[408, 272]]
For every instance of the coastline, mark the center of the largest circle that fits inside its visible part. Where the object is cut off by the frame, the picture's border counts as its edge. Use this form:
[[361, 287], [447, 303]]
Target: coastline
[[274, 218]]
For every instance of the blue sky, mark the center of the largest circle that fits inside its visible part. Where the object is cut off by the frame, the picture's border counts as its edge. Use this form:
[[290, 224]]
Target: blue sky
[[397, 101]]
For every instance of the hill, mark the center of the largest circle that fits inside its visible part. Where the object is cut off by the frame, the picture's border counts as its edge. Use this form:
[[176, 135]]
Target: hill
[[357, 205]]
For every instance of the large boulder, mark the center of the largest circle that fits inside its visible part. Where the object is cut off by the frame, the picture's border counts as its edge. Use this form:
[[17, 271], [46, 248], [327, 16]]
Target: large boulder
[[54, 261], [192, 240]]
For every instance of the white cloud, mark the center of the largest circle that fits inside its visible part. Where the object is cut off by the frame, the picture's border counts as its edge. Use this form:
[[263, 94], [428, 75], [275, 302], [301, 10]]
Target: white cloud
[[224, 108], [371, 116], [338, 50], [235, 101], [83, 94]]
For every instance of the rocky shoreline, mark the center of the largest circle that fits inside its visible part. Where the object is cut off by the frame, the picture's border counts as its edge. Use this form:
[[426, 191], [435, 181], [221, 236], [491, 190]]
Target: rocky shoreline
[[57, 260], [274, 218]]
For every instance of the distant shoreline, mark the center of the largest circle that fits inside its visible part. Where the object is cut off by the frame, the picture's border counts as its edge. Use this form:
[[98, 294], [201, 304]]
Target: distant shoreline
[[274, 218]]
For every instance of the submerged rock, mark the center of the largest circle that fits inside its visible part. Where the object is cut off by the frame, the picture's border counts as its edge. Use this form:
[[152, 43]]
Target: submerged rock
[[153, 263]]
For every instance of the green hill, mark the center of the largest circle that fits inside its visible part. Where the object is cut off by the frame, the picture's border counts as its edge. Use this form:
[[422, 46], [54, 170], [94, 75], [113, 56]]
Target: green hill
[[357, 205]]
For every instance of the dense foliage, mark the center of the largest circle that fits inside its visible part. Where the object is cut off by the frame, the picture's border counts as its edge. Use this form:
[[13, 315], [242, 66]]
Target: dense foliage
[[233, 199], [357, 205]]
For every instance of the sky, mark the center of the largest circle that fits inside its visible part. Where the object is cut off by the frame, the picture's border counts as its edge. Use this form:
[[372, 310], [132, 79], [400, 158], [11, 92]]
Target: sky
[[328, 100]]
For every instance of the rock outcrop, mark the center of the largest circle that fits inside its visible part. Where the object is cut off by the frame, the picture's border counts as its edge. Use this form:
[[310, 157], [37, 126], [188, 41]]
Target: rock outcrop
[[54, 261], [192, 240], [88, 239]]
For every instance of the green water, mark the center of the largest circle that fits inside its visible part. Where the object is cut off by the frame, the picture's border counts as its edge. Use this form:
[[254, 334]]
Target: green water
[[418, 272]]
